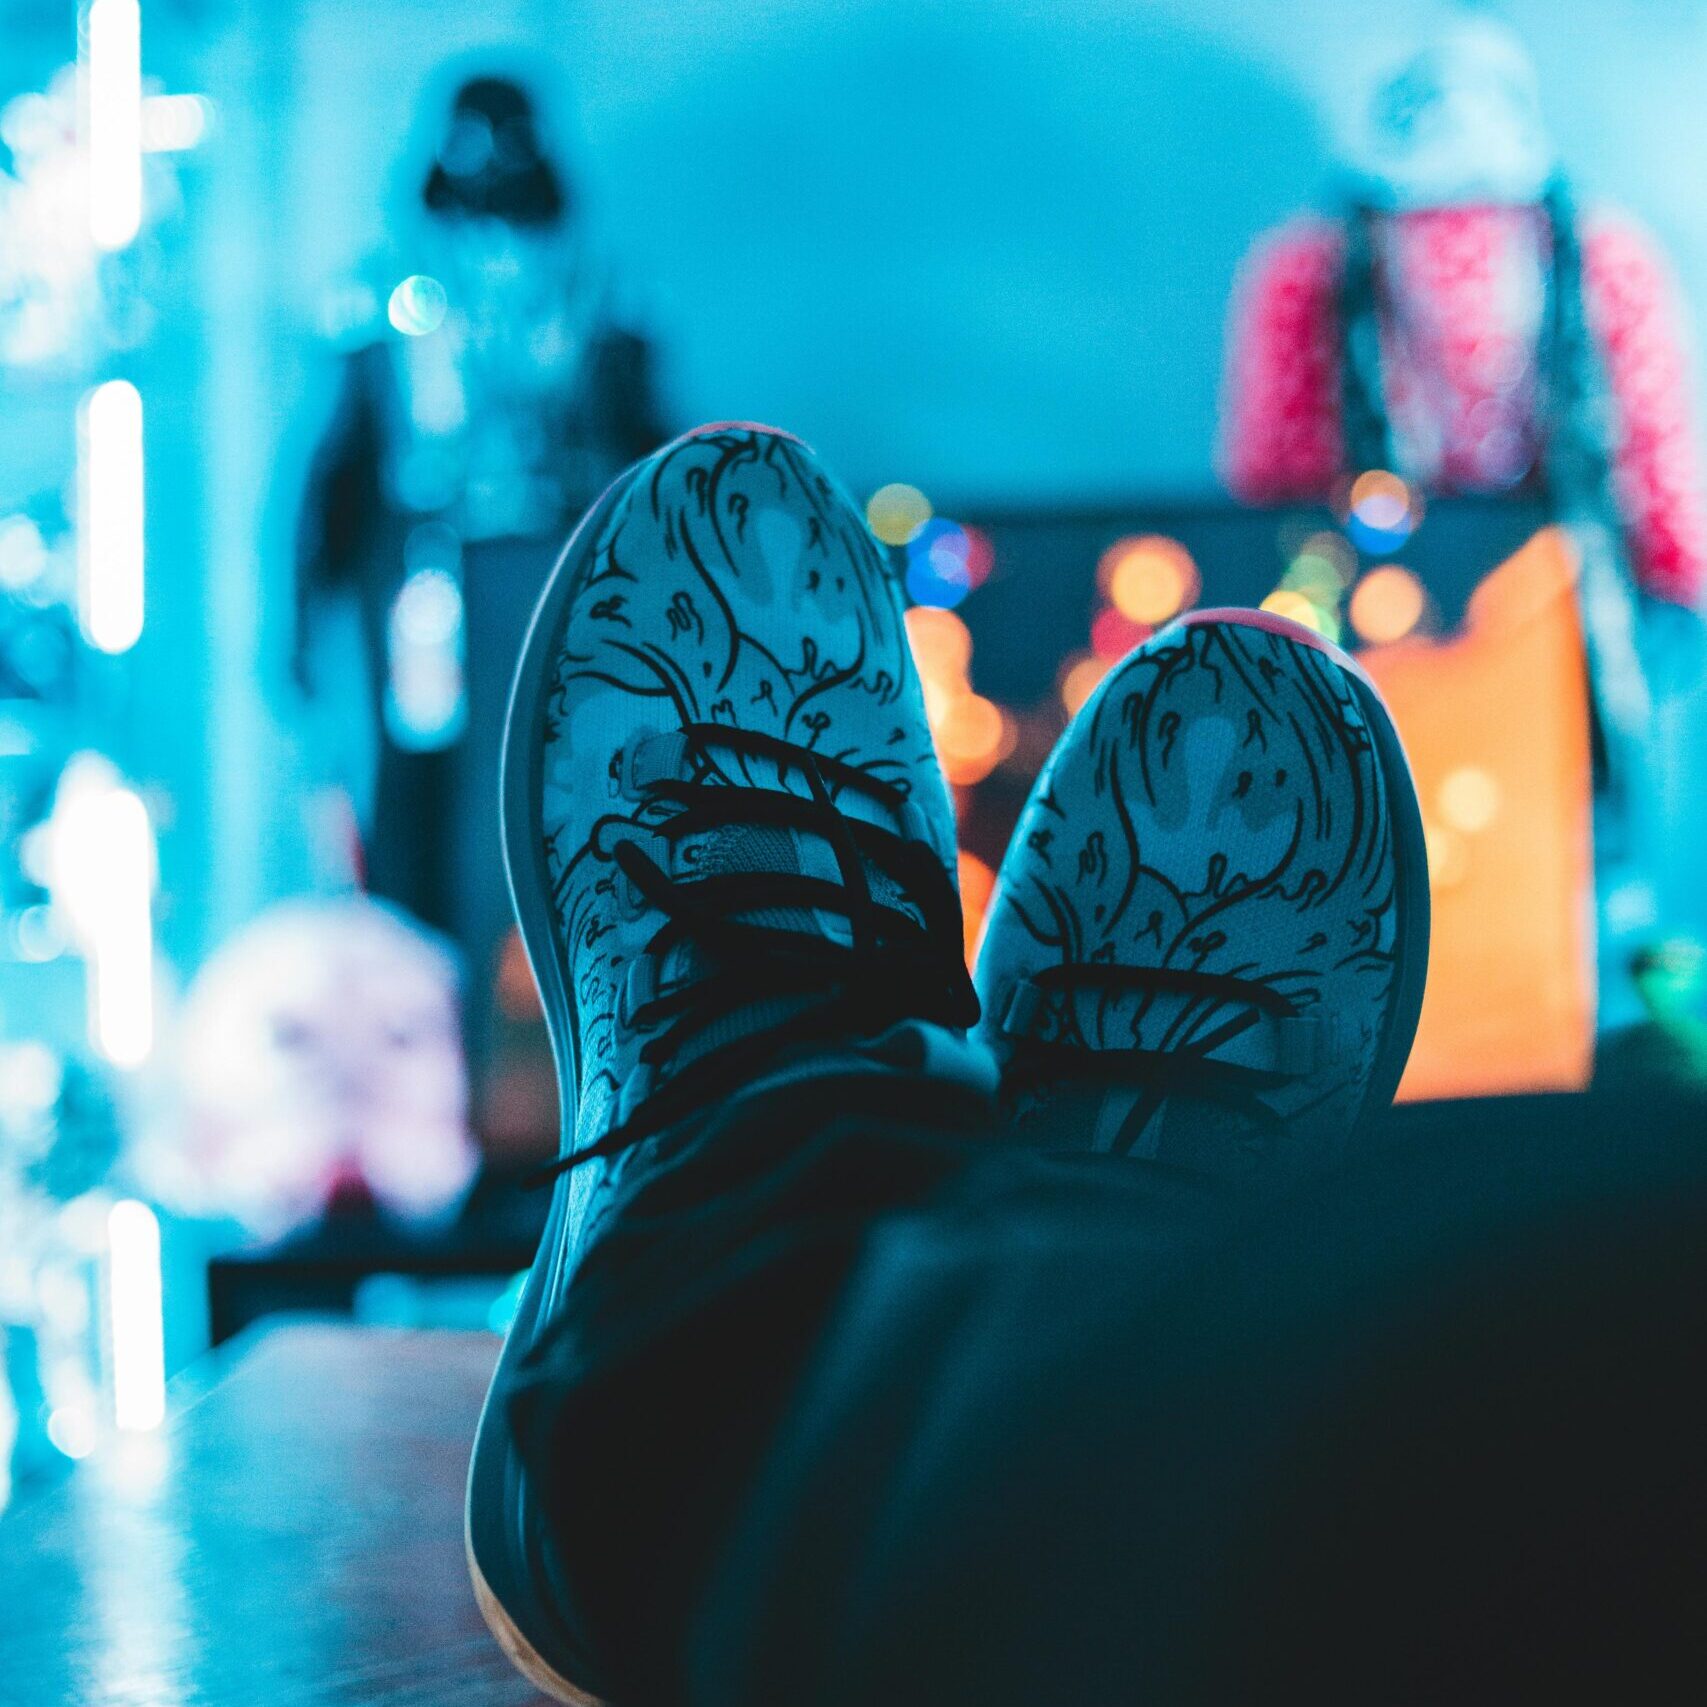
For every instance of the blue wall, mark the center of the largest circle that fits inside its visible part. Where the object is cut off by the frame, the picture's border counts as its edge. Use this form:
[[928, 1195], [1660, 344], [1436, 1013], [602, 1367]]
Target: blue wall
[[983, 244]]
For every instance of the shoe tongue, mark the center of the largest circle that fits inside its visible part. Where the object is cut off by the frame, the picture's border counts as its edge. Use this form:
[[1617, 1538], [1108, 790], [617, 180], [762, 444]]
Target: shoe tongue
[[748, 849]]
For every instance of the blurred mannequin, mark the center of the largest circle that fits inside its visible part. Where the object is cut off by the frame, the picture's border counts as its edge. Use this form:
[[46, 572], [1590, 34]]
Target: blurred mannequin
[[1462, 324], [465, 442], [1458, 216]]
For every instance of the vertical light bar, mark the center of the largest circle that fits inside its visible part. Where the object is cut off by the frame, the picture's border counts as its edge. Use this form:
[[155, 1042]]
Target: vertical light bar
[[103, 876], [138, 1335], [124, 952], [111, 524], [115, 121]]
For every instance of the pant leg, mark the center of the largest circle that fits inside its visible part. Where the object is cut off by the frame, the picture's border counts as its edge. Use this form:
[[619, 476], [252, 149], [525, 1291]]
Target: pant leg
[[645, 1415], [1425, 1431], [856, 1403]]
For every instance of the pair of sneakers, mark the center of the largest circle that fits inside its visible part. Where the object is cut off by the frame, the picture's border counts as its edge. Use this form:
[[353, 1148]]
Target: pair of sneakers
[[731, 852]]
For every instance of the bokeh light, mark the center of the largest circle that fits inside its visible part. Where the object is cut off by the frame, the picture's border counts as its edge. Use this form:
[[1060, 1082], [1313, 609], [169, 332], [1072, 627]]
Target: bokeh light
[[1381, 510], [1380, 499], [1468, 799], [973, 735], [1295, 607], [23, 552], [896, 512], [1114, 634], [980, 556], [941, 642], [977, 884], [1320, 574], [1448, 856], [1148, 578], [417, 305], [1387, 604], [1079, 680], [1335, 550], [938, 564]]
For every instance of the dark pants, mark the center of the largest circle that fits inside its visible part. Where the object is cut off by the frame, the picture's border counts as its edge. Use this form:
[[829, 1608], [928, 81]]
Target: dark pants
[[855, 1401]]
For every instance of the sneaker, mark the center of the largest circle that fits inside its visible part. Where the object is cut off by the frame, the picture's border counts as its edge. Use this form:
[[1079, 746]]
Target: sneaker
[[729, 845], [1208, 940]]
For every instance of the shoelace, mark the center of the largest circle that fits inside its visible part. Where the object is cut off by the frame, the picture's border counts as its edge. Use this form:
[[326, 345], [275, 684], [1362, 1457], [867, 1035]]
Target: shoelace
[[1190, 1070], [893, 968]]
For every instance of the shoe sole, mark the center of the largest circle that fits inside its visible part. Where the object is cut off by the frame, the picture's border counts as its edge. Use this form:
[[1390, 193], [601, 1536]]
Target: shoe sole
[[497, 1494]]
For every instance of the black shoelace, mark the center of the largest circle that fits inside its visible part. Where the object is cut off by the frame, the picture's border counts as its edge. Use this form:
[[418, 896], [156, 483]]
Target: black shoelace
[[1191, 1070], [893, 967]]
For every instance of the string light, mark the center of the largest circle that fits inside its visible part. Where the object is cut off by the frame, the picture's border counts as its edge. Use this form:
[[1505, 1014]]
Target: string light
[[1387, 604]]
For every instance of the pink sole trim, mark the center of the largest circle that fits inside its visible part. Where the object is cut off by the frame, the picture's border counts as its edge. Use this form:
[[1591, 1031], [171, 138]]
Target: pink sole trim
[[711, 427]]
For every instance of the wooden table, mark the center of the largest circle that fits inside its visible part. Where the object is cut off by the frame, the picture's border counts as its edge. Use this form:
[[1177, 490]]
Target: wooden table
[[292, 1538]]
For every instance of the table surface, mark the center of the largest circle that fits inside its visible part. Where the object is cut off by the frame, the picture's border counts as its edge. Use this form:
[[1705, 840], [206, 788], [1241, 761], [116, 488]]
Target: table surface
[[291, 1538]]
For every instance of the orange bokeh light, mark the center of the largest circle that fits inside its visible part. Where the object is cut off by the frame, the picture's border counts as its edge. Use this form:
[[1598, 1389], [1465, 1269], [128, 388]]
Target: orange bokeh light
[[1387, 604], [1149, 578], [977, 884], [941, 642], [1079, 680], [972, 736]]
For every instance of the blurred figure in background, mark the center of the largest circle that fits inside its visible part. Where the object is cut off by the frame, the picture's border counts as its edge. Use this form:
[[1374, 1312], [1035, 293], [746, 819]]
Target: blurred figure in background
[[320, 1068], [500, 398], [1450, 283], [1461, 324]]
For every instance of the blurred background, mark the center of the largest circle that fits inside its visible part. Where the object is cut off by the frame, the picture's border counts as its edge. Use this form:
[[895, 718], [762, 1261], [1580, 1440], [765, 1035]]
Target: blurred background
[[320, 323]]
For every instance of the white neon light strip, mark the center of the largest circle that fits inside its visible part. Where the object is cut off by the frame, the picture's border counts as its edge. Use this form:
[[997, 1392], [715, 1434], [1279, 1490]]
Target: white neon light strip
[[133, 1283], [122, 992], [115, 121], [103, 876], [112, 520]]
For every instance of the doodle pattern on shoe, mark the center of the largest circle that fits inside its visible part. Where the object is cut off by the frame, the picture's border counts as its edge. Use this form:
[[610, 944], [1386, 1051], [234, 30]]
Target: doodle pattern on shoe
[[1221, 809], [732, 582]]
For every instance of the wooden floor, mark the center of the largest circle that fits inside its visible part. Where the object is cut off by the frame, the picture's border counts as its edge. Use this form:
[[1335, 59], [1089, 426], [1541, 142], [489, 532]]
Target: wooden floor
[[293, 1538]]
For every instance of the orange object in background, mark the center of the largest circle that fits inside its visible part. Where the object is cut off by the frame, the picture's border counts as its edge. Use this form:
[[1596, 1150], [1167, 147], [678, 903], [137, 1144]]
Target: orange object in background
[[1496, 722]]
